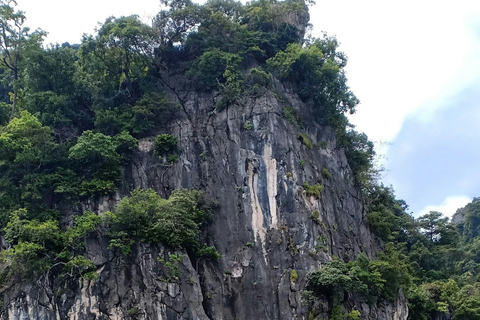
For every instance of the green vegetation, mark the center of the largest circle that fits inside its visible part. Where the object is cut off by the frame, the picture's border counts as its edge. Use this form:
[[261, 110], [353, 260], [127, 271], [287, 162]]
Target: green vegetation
[[318, 62], [171, 266], [360, 155], [209, 253], [147, 217], [305, 139], [293, 276], [314, 190], [247, 125], [165, 144], [258, 81], [292, 116], [326, 173], [316, 216], [71, 115], [337, 314], [39, 246], [301, 163], [372, 279], [440, 258], [132, 312]]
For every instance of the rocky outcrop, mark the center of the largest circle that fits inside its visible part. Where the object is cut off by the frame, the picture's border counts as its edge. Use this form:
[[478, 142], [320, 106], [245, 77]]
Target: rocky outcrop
[[249, 159]]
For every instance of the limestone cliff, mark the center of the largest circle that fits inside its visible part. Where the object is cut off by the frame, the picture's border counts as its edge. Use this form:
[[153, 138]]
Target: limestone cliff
[[249, 158]]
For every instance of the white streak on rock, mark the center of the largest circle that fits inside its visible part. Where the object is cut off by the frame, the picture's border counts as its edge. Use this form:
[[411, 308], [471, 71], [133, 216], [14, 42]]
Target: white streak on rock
[[271, 165]]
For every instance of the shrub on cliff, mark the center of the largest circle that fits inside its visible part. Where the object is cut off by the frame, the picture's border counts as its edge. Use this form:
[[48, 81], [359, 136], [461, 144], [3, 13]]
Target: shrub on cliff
[[147, 217]]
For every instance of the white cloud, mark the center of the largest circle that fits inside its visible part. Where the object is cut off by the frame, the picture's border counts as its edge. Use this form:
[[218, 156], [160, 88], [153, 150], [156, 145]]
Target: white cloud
[[448, 207], [403, 56], [66, 21]]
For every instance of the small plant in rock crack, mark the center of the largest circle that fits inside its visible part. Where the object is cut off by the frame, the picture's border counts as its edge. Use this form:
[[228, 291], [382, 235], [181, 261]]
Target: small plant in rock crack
[[305, 139], [313, 190], [132, 312], [171, 266], [326, 173], [316, 216], [301, 163], [293, 275]]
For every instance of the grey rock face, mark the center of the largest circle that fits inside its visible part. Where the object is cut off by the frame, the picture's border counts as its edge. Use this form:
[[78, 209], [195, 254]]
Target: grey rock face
[[248, 158]]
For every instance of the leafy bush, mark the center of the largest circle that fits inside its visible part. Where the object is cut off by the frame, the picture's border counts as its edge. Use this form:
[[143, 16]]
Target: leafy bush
[[360, 154], [314, 190], [332, 280], [247, 125], [39, 246], [293, 276], [232, 88], [301, 163], [25, 141], [372, 279], [165, 144], [209, 253], [171, 266], [151, 111], [292, 116], [258, 81], [214, 67], [317, 69], [145, 216], [97, 155], [326, 173], [98, 159]]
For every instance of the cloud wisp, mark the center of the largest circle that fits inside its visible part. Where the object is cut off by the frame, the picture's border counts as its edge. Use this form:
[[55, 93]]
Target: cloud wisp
[[448, 206]]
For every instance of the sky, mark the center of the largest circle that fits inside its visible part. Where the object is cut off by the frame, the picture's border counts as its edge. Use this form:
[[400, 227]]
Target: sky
[[415, 66]]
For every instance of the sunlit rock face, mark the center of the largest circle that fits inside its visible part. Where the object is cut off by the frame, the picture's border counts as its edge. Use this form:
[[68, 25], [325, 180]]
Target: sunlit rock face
[[249, 159]]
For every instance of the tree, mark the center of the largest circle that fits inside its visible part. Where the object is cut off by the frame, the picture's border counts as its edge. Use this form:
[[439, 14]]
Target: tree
[[175, 23], [15, 41], [332, 279], [145, 216], [96, 155], [470, 227], [432, 225], [317, 69], [121, 53], [360, 154], [25, 141], [55, 94]]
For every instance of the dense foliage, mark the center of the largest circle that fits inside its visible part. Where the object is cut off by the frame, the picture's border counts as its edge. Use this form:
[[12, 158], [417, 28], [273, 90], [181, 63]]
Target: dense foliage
[[146, 217], [441, 256]]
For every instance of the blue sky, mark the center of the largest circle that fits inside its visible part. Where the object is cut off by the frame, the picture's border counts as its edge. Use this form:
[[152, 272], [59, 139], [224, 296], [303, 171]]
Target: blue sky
[[413, 64], [434, 161]]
